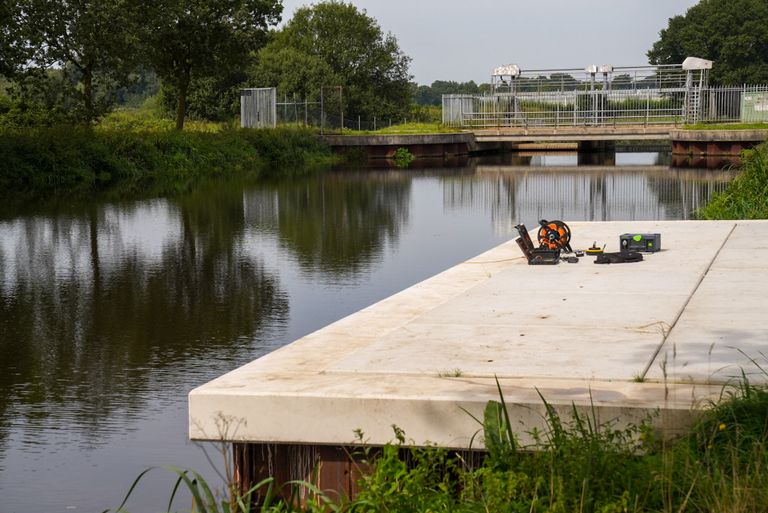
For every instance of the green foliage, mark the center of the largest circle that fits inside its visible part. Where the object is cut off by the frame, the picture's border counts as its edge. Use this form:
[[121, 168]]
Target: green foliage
[[260, 498], [211, 98], [407, 128], [747, 195], [733, 33], [292, 71], [417, 479], [12, 51], [44, 158], [335, 44], [433, 94], [425, 113], [403, 158], [36, 98], [579, 464], [93, 45], [727, 126]]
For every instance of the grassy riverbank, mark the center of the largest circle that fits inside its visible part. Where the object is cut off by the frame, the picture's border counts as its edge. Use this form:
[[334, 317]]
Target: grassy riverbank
[[576, 465], [727, 126], [65, 157], [747, 196]]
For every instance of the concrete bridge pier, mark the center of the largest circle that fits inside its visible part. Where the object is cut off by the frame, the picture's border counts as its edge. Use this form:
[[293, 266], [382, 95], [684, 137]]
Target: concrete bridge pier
[[597, 153], [597, 146]]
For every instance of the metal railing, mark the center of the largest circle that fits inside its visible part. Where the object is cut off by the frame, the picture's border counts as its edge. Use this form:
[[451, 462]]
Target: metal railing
[[608, 107]]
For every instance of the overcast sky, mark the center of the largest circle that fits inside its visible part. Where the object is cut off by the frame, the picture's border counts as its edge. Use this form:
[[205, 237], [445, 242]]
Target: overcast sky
[[465, 40]]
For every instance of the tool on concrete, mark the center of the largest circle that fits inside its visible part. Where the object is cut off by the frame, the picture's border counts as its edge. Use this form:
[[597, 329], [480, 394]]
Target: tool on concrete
[[595, 250], [570, 259], [579, 253], [622, 257], [554, 237], [535, 256], [646, 242]]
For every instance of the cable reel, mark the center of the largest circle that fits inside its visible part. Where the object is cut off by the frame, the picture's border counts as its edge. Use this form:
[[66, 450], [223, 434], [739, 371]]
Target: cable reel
[[554, 235]]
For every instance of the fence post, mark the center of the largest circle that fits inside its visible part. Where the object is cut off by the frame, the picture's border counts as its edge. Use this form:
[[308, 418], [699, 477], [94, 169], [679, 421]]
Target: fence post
[[374, 123], [358, 123], [647, 106], [575, 105]]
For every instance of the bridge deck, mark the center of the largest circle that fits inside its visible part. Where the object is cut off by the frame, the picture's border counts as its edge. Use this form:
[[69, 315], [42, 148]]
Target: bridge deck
[[579, 133]]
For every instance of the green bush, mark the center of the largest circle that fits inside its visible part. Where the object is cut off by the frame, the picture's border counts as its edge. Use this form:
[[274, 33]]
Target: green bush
[[747, 196]]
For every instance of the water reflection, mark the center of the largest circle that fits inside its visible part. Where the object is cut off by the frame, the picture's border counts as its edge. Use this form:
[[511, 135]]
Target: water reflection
[[336, 224], [630, 187], [95, 300]]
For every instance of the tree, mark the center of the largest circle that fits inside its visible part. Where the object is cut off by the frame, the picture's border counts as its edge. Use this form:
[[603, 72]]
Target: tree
[[622, 81], [733, 33], [339, 43], [292, 72], [433, 94], [93, 45], [195, 39], [9, 51]]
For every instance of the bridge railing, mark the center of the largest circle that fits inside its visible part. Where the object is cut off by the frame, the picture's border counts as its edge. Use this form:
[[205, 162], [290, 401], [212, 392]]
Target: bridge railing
[[638, 107]]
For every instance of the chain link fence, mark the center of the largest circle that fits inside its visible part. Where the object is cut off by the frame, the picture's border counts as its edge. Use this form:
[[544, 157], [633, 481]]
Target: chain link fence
[[263, 108]]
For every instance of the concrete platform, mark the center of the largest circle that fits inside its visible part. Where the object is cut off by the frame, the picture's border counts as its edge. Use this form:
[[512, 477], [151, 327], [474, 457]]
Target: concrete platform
[[659, 337]]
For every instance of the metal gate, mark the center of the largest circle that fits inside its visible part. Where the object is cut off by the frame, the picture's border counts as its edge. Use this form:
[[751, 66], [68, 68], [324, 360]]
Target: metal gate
[[258, 107]]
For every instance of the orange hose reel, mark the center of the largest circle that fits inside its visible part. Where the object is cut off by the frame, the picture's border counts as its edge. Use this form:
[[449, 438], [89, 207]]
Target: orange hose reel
[[554, 235]]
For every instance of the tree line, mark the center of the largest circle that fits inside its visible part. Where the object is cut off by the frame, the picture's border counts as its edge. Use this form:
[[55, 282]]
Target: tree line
[[74, 60], [733, 33]]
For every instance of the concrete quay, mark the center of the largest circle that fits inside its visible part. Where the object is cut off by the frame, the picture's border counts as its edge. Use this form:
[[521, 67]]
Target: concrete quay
[[441, 146], [657, 338]]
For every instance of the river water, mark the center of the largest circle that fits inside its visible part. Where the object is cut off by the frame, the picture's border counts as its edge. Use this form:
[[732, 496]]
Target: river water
[[113, 308]]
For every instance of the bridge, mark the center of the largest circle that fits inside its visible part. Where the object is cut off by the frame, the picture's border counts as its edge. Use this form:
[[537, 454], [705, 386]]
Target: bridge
[[683, 142]]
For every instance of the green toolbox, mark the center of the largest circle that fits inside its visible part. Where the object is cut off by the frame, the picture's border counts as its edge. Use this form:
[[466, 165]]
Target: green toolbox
[[647, 242]]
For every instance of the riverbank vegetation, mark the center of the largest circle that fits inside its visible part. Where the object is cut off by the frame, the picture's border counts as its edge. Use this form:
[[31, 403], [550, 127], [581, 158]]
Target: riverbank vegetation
[[577, 464], [92, 158], [727, 126], [747, 196]]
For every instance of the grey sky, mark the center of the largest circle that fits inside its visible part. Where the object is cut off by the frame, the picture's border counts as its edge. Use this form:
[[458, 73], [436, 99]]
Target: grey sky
[[464, 40]]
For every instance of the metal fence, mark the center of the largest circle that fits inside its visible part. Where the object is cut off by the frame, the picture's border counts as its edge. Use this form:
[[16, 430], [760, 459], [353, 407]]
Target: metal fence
[[261, 107], [670, 104]]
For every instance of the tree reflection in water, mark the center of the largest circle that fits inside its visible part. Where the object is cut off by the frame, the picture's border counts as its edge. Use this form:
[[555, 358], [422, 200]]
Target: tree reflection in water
[[95, 300], [339, 223], [102, 305]]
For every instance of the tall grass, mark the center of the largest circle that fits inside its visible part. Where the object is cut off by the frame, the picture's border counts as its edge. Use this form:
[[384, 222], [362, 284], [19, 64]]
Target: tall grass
[[577, 464], [747, 195]]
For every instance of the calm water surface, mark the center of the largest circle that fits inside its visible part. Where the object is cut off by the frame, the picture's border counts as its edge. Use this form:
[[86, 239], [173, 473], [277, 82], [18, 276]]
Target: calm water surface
[[111, 311]]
